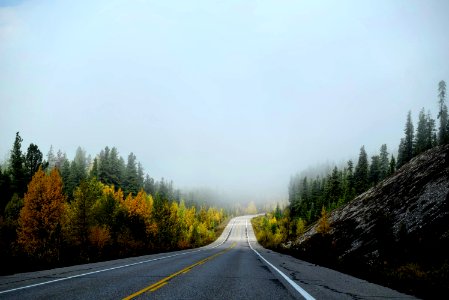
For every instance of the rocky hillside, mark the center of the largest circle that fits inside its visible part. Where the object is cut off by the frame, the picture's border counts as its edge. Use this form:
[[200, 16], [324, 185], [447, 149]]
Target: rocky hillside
[[396, 233]]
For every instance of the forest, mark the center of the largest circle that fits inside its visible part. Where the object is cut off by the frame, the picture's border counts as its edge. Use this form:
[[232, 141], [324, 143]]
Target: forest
[[311, 199], [56, 212]]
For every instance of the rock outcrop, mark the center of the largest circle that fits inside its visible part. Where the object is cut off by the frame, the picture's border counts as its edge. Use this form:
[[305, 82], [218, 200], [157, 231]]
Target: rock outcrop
[[396, 233]]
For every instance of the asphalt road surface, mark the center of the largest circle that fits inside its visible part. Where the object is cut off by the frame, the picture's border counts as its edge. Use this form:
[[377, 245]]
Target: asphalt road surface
[[233, 267]]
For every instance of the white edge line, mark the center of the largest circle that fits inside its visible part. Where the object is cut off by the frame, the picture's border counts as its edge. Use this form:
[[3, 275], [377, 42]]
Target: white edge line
[[291, 282], [118, 267]]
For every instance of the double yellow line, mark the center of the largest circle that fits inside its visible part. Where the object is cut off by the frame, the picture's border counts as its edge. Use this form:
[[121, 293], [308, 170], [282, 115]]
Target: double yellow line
[[162, 282]]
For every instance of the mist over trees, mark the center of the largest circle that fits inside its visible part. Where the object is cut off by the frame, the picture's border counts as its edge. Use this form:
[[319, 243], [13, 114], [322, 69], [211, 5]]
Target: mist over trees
[[57, 211], [311, 197]]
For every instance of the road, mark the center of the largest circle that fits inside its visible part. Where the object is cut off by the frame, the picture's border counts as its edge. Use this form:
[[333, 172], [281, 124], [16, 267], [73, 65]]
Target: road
[[233, 267]]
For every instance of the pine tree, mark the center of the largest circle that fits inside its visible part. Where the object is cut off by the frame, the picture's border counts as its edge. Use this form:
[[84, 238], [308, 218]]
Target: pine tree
[[103, 166], [392, 165], [409, 139], [78, 172], [400, 160], [423, 139], [292, 199], [335, 190], [350, 179], [149, 186], [443, 133], [406, 146], [33, 160], [65, 175], [361, 172], [94, 171], [17, 168], [140, 178], [384, 162], [375, 172], [41, 217], [131, 183], [51, 158], [431, 132], [61, 158], [116, 168]]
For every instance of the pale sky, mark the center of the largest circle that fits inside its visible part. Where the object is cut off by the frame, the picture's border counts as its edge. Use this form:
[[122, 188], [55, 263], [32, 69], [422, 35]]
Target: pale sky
[[231, 95]]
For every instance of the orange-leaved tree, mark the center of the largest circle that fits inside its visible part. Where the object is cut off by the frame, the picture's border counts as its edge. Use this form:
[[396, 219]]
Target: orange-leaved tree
[[40, 219]]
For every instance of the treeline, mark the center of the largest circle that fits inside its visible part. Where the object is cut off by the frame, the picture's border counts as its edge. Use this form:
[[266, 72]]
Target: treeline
[[56, 211], [310, 199], [307, 196]]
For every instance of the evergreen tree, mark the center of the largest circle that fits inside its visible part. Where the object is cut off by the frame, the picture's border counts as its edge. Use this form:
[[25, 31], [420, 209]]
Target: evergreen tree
[[33, 160], [443, 133], [406, 147], [304, 191], [335, 190], [375, 172], [384, 162], [400, 160], [61, 158], [409, 139], [392, 165], [51, 158], [94, 171], [424, 133], [65, 175], [350, 181], [111, 167], [431, 132], [116, 165], [81, 163], [103, 166], [140, 178], [17, 168], [131, 183], [78, 172], [292, 198], [361, 172], [149, 186]]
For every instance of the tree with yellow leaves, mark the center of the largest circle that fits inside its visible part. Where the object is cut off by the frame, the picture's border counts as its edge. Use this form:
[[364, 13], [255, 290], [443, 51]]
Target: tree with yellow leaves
[[300, 227], [141, 207], [40, 219], [81, 213], [323, 226]]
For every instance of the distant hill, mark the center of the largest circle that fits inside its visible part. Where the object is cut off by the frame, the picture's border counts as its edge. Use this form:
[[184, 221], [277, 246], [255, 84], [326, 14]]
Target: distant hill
[[396, 233]]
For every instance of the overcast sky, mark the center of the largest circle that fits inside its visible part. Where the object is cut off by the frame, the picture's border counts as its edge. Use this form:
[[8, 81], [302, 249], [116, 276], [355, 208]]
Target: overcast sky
[[231, 95]]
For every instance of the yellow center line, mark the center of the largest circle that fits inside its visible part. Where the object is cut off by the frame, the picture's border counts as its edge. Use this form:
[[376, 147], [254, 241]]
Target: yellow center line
[[165, 280]]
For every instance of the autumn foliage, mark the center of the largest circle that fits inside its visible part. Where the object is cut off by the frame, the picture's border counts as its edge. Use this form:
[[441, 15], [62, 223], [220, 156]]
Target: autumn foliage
[[323, 225], [100, 221], [41, 217], [82, 211]]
